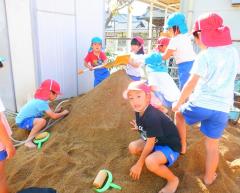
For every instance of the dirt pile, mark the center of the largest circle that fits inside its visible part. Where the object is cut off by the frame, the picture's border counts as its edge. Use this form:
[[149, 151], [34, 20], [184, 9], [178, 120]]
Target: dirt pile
[[96, 135]]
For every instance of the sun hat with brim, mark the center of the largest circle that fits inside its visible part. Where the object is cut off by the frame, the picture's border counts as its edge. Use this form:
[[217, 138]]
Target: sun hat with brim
[[154, 62], [45, 89], [163, 41], [137, 86], [138, 39], [213, 32], [96, 40], [177, 19]]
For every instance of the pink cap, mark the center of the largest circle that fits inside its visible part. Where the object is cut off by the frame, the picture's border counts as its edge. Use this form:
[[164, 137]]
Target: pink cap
[[213, 32], [139, 39], [137, 85], [163, 41], [45, 88]]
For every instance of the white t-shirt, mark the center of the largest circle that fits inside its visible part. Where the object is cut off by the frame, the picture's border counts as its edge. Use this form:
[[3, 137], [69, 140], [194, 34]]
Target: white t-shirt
[[136, 71], [5, 123], [164, 83], [217, 68], [183, 48]]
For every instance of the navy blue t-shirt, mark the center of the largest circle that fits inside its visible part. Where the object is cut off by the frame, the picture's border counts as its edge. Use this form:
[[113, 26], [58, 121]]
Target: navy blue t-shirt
[[154, 123]]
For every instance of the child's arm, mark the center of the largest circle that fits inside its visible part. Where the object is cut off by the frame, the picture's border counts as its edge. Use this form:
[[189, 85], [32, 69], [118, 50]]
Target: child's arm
[[4, 138], [186, 91], [88, 65], [136, 170], [136, 60], [167, 54], [54, 115]]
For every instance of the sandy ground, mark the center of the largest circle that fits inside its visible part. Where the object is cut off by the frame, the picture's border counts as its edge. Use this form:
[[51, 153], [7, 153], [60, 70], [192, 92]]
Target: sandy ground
[[96, 135]]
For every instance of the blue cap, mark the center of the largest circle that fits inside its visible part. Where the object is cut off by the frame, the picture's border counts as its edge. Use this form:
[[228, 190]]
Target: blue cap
[[2, 59], [154, 61], [96, 40], [177, 19]]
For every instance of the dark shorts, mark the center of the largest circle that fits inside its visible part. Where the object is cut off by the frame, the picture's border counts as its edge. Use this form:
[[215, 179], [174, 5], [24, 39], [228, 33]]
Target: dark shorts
[[3, 155], [171, 155], [212, 122], [26, 123]]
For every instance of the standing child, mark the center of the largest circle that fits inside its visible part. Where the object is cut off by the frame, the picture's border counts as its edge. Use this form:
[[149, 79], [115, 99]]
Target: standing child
[[31, 114], [180, 46], [7, 149], [96, 57], [133, 69], [209, 88], [159, 144]]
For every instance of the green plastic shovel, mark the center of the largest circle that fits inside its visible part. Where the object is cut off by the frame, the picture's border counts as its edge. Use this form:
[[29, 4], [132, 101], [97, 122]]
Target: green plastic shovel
[[41, 138]]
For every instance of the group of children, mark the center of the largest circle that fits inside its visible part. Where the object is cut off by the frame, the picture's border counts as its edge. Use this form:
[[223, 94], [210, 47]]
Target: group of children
[[206, 84]]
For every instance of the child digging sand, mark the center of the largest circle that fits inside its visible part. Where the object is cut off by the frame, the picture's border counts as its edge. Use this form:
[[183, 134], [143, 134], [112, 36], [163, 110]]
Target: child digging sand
[[159, 145], [209, 89], [30, 116]]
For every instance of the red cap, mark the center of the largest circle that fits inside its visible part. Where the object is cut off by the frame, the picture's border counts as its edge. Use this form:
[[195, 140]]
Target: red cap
[[139, 39], [163, 41], [137, 85], [45, 88], [213, 32]]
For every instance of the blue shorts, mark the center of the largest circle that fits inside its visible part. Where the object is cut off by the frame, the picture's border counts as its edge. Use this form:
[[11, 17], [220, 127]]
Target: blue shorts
[[134, 78], [212, 122], [184, 72], [100, 75], [26, 124], [171, 155], [3, 155]]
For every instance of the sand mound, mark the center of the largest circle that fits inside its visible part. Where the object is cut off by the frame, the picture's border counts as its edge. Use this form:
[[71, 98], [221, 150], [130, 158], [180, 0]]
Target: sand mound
[[96, 135]]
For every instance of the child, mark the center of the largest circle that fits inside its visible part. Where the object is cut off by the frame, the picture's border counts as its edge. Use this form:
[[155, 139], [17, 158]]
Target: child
[[7, 149], [133, 69], [159, 144], [96, 57], [30, 116], [167, 90], [180, 46], [209, 88]]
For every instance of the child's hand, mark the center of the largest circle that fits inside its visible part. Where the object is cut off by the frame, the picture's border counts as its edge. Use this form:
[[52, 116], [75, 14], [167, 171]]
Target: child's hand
[[135, 171], [134, 124], [58, 110], [89, 66], [175, 107], [10, 149], [65, 112]]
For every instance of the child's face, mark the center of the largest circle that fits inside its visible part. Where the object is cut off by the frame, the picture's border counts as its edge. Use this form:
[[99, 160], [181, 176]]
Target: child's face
[[162, 48], [135, 48], [52, 96], [96, 47], [139, 100]]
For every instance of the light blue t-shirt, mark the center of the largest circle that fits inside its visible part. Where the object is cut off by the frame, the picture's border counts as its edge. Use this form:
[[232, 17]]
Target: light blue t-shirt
[[217, 68], [34, 108]]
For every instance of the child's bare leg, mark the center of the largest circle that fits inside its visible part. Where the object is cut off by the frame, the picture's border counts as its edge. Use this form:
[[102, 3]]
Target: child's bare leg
[[212, 159], [136, 147], [3, 181], [38, 124], [155, 163], [181, 126]]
